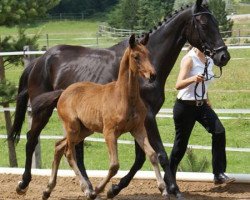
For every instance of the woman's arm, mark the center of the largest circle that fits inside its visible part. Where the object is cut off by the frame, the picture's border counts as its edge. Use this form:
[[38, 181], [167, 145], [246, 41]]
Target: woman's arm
[[182, 80]]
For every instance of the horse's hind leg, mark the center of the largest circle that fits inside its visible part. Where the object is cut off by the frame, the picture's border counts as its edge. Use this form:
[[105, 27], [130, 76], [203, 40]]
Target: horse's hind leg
[[59, 150], [140, 136], [38, 123]]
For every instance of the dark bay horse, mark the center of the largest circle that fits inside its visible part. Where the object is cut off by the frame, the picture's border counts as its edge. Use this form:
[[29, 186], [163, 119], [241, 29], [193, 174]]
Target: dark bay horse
[[112, 109], [63, 65]]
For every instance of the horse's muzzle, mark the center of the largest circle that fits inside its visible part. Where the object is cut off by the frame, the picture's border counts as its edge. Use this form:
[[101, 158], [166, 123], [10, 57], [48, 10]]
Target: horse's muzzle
[[152, 78], [221, 58]]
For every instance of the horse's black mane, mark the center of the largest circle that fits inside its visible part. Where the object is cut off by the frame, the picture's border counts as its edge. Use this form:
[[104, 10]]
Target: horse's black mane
[[165, 21], [169, 17]]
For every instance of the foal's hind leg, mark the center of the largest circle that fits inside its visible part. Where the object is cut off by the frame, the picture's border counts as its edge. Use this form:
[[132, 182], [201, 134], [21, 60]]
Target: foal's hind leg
[[59, 150], [140, 136], [38, 123]]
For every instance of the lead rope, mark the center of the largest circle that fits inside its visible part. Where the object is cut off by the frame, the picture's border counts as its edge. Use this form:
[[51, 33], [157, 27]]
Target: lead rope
[[203, 89]]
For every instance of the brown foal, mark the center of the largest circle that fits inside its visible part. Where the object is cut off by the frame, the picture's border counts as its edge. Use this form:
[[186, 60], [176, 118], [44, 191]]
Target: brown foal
[[111, 109]]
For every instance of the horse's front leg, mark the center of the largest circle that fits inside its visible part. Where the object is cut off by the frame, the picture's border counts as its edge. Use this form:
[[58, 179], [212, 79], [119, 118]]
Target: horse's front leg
[[124, 182], [156, 142], [79, 148], [140, 135]]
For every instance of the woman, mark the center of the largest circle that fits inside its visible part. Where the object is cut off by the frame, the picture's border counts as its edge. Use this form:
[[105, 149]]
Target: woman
[[192, 105]]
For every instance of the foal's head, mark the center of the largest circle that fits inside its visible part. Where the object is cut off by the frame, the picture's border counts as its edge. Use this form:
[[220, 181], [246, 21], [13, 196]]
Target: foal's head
[[139, 58]]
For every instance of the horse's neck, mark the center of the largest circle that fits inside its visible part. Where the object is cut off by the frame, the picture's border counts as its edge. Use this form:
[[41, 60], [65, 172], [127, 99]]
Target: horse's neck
[[127, 82], [166, 43]]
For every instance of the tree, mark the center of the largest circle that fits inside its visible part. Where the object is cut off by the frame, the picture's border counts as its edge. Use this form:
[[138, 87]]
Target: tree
[[179, 3], [82, 6], [141, 14], [218, 8], [19, 11]]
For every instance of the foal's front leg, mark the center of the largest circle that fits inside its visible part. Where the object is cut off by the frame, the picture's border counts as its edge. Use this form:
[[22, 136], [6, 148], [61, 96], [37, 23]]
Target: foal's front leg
[[140, 136], [111, 141]]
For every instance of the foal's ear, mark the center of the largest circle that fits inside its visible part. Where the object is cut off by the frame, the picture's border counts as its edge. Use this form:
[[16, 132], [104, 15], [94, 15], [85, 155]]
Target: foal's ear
[[144, 41], [132, 41]]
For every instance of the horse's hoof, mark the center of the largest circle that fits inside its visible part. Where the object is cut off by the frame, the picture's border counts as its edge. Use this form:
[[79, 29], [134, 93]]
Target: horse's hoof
[[19, 190], [179, 196], [113, 191], [46, 195]]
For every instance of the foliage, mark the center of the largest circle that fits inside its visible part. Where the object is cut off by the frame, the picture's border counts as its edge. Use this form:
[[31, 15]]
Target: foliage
[[82, 6], [192, 164], [124, 15], [142, 14], [245, 1], [218, 7], [7, 92], [19, 11], [179, 3], [10, 43]]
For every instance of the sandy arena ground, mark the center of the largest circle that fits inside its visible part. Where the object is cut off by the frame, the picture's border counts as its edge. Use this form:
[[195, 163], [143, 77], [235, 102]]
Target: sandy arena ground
[[68, 189]]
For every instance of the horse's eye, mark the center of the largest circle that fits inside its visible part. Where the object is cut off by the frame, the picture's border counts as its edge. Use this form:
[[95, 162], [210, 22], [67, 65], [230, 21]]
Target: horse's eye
[[204, 26]]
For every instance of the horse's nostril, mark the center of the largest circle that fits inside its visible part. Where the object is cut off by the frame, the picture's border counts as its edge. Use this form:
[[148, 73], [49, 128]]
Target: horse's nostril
[[152, 77], [223, 58]]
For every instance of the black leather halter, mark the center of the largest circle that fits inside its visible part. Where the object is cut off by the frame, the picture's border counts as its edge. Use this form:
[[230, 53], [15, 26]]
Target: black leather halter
[[208, 51]]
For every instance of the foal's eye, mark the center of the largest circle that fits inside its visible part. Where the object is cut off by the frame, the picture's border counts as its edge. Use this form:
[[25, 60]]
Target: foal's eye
[[137, 58]]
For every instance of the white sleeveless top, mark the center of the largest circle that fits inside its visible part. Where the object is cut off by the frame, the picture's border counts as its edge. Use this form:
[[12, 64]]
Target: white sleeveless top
[[187, 93]]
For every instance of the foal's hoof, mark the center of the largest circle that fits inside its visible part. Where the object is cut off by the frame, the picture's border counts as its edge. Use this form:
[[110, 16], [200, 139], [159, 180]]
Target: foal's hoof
[[19, 190], [113, 191], [46, 195], [91, 195]]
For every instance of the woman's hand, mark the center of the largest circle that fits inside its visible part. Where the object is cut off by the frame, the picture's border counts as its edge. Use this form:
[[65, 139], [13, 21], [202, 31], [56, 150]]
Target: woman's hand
[[198, 78]]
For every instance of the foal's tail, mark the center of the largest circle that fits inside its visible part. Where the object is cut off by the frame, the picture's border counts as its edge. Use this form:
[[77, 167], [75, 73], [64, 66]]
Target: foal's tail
[[21, 104], [44, 101]]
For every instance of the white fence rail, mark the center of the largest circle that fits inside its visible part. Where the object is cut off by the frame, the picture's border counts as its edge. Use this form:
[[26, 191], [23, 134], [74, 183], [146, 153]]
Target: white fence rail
[[18, 53], [168, 113]]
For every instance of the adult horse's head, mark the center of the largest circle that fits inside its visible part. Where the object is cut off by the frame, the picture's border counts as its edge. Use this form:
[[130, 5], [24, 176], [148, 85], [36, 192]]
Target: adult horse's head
[[140, 59], [203, 33]]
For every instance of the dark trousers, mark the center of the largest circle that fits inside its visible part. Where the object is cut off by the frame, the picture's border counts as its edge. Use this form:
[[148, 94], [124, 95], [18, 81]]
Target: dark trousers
[[185, 117]]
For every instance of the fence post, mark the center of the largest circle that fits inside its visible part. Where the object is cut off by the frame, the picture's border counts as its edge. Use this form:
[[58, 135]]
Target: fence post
[[47, 39], [36, 159]]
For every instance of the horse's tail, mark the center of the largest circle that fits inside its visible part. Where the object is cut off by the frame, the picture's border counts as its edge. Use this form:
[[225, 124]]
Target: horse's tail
[[21, 104], [44, 101]]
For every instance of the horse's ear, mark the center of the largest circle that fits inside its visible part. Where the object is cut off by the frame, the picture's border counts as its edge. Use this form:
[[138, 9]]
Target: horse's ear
[[144, 41], [197, 6], [198, 3], [132, 41]]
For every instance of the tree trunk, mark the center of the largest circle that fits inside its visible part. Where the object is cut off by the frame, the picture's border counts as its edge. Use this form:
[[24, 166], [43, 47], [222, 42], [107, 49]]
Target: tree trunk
[[7, 116]]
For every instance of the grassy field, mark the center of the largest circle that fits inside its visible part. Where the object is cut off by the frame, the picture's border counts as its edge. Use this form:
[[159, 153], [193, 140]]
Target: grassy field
[[232, 90]]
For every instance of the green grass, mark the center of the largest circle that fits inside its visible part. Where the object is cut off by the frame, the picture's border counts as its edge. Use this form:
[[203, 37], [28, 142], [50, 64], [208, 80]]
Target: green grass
[[232, 90]]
